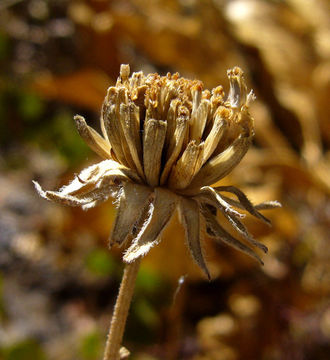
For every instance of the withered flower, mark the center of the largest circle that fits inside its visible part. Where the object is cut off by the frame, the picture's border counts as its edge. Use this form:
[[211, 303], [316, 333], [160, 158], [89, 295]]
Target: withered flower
[[165, 141]]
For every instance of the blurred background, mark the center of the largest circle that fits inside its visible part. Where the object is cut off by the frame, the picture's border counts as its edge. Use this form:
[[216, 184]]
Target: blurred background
[[58, 281]]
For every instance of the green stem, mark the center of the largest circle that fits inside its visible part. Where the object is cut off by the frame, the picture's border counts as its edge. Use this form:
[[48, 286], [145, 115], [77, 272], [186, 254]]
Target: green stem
[[120, 313]]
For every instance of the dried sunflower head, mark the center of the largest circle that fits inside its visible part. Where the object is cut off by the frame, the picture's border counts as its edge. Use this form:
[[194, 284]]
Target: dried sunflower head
[[165, 141]]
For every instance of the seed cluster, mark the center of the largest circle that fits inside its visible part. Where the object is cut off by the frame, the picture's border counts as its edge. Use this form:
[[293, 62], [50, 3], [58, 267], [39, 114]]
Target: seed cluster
[[167, 127]]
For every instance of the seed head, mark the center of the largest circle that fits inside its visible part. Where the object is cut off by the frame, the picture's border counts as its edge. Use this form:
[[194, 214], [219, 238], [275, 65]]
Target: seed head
[[164, 141]]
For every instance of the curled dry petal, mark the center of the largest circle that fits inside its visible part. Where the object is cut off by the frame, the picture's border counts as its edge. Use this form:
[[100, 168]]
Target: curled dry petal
[[220, 234], [232, 216], [209, 195], [246, 203], [96, 183]]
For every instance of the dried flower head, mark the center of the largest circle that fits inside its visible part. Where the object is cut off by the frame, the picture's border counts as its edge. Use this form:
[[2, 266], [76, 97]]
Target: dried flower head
[[165, 141]]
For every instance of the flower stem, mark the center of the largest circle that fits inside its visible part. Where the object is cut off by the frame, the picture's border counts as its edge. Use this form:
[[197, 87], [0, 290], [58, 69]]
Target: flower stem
[[120, 313]]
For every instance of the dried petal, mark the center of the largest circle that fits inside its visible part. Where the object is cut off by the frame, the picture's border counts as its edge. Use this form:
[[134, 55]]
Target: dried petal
[[217, 132], [246, 203], [187, 166], [96, 183], [220, 234], [266, 205], [232, 216], [190, 217], [237, 96], [198, 121], [175, 145], [160, 212], [95, 141], [112, 127], [153, 141], [171, 119], [59, 198], [222, 164], [131, 126], [209, 195], [133, 199]]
